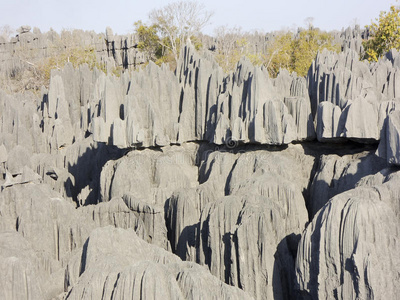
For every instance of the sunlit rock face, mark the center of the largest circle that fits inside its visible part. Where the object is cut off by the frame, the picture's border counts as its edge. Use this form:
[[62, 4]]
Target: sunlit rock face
[[196, 184]]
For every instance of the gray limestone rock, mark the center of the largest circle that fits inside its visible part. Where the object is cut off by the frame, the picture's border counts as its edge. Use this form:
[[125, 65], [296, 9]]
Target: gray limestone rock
[[104, 176], [26, 176], [328, 120], [350, 250], [50, 226], [146, 179], [200, 78], [255, 108], [389, 147], [336, 174], [3, 154], [24, 29], [359, 94], [232, 229], [18, 264], [152, 218], [115, 213], [18, 159], [116, 264], [32, 208], [150, 175], [242, 244]]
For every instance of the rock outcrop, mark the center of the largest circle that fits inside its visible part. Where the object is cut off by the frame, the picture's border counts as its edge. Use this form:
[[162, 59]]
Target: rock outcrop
[[389, 146], [155, 107], [196, 184], [232, 224], [18, 263], [117, 264], [337, 174], [23, 50], [350, 99], [350, 250]]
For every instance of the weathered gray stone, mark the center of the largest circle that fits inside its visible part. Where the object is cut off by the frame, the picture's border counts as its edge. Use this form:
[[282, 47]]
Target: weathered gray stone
[[336, 174], [350, 250], [3, 154], [232, 228], [204, 164], [328, 119], [24, 29], [19, 274], [389, 146], [115, 263], [360, 95]]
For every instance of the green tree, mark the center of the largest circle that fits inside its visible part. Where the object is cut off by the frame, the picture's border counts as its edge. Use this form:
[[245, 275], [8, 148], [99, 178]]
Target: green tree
[[279, 53], [148, 41], [385, 34], [295, 52], [306, 46]]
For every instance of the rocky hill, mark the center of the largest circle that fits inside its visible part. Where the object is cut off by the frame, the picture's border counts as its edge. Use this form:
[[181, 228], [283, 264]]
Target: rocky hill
[[195, 184]]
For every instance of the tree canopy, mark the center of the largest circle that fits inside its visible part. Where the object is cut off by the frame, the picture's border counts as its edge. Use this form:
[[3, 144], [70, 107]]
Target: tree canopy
[[385, 34]]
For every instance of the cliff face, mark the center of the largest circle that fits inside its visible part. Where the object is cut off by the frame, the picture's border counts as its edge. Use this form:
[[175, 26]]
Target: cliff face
[[196, 184], [30, 45]]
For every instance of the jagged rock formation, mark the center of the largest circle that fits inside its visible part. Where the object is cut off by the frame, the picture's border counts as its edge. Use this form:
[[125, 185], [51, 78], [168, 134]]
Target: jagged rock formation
[[145, 180], [117, 264], [19, 278], [350, 250], [29, 46], [199, 184], [154, 107], [352, 39], [350, 99], [337, 174], [241, 200], [390, 143]]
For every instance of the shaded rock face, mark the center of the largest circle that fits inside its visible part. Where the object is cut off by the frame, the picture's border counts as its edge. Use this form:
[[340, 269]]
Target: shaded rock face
[[337, 174], [145, 180], [246, 231], [358, 258], [198, 184], [390, 143]]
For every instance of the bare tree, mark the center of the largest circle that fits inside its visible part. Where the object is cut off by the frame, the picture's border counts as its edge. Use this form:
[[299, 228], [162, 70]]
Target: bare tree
[[178, 22], [309, 22], [6, 32], [227, 46], [226, 38]]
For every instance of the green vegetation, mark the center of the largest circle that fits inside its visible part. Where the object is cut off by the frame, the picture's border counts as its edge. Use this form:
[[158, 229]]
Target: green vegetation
[[75, 55], [294, 52], [385, 34], [33, 69], [306, 46], [149, 41]]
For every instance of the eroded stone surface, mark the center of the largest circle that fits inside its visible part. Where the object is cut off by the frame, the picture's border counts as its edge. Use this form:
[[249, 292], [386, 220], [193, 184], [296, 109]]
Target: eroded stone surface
[[110, 182], [350, 248]]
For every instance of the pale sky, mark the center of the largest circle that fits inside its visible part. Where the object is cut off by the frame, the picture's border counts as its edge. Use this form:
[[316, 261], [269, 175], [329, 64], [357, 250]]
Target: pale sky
[[248, 14]]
